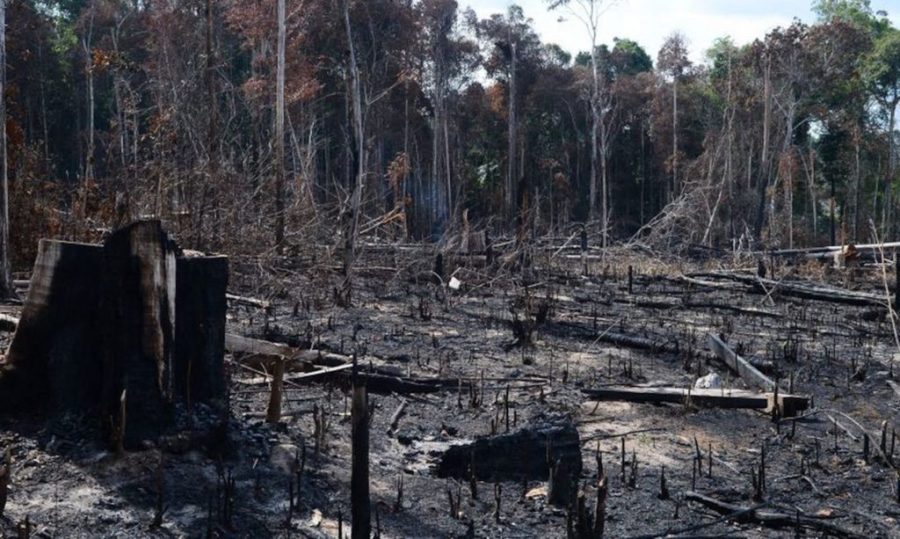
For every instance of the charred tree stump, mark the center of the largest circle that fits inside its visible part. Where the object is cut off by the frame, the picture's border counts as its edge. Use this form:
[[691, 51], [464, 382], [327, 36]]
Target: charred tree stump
[[137, 309], [520, 454], [361, 526], [273, 412], [133, 317]]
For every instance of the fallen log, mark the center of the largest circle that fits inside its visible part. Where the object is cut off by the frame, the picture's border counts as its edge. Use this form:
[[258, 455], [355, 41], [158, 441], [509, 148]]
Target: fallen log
[[769, 518], [386, 384], [830, 249], [526, 453], [707, 398], [248, 302], [739, 365], [562, 328], [800, 290], [246, 345], [395, 418]]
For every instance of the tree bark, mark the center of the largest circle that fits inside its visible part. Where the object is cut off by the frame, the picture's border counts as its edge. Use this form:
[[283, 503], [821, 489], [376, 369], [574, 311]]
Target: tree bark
[[674, 137], [279, 133], [359, 134], [6, 288], [764, 160], [512, 176], [133, 316], [595, 128], [89, 70], [887, 209], [359, 482]]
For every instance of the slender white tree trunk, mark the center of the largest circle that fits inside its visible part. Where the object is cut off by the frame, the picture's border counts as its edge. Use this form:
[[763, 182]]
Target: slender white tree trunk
[[511, 169], [279, 133], [889, 181], [89, 158], [595, 128], [5, 281], [674, 137], [359, 133]]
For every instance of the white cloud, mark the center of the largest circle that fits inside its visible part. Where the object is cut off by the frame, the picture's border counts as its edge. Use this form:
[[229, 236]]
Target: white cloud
[[649, 22]]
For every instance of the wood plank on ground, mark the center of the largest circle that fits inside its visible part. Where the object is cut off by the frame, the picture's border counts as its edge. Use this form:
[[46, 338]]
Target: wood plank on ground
[[709, 398], [748, 373]]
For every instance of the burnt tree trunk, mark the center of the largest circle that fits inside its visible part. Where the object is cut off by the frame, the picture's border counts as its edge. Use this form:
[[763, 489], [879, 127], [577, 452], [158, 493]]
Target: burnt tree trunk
[[138, 318], [359, 479], [53, 361], [528, 452], [133, 316]]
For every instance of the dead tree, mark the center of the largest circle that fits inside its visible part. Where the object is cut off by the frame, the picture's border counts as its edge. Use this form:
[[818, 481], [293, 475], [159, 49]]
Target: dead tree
[[6, 285], [359, 481]]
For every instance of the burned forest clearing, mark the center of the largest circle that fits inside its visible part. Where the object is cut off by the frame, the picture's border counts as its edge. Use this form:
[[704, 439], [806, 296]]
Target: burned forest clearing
[[365, 269], [675, 397]]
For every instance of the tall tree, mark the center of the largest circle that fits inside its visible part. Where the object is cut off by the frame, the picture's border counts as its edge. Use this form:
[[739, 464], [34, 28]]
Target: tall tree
[[673, 62], [589, 12], [882, 72], [515, 51], [359, 130], [279, 132], [6, 289], [447, 57]]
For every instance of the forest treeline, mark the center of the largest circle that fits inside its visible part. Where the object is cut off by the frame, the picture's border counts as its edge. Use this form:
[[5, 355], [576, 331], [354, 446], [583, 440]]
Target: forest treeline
[[429, 116]]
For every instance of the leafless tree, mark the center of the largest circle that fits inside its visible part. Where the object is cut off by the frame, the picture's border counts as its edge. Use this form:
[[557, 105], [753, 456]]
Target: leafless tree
[[5, 281], [589, 13]]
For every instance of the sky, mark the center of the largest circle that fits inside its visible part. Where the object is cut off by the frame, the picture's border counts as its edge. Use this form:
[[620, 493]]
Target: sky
[[649, 22]]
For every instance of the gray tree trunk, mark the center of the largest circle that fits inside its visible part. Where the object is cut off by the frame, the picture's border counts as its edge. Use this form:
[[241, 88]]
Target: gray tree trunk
[[511, 168], [6, 289], [279, 133], [359, 134]]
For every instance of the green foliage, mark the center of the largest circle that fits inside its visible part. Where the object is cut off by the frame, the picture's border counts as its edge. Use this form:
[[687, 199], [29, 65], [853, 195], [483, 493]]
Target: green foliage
[[882, 67], [858, 12], [629, 58]]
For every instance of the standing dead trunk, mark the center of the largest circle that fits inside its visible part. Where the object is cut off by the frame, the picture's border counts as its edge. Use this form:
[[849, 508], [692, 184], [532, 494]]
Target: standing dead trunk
[[356, 98], [89, 71], [212, 135], [359, 480], [273, 412], [279, 133], [6, 289], [511, 176], [604, 180], [674, 137], [595, 128], [764, 167], [887, 210]]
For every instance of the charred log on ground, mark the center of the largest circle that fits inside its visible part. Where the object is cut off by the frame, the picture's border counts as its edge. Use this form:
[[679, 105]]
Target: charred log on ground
[[526, 453]]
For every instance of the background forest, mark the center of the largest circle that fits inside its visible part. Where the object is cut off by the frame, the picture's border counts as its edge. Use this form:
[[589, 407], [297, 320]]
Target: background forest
[[431, 118]]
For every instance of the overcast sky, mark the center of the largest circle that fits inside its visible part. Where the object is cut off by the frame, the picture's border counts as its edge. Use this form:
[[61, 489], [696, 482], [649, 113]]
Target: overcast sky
[[649, 21]]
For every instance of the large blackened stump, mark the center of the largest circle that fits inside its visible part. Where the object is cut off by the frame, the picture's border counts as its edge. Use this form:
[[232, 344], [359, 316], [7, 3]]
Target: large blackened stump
[[138, 293], [134, 317], [53, 364]]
